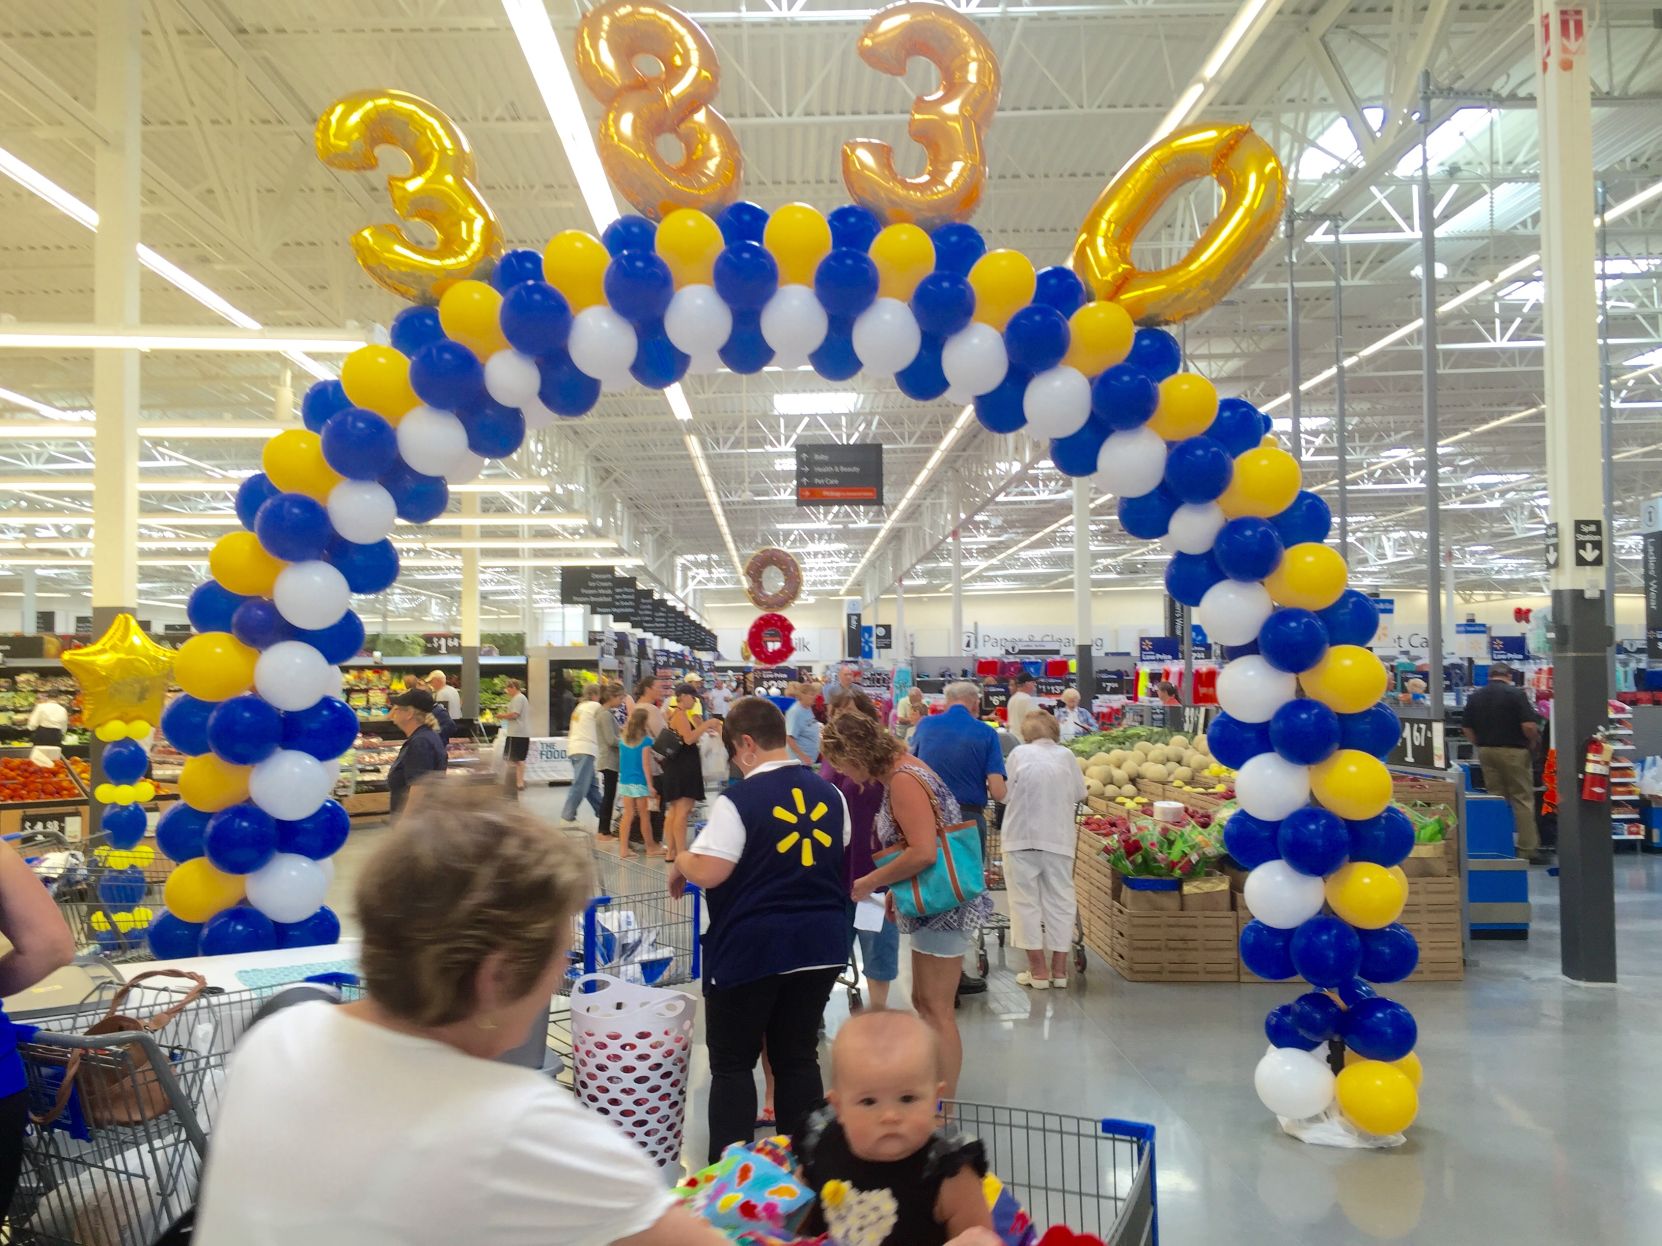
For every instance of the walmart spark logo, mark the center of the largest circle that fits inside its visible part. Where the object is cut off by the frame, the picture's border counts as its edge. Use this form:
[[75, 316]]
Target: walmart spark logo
[[805, 838]]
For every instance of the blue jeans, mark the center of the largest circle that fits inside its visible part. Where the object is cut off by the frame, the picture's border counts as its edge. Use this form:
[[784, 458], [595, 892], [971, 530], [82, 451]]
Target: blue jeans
[[584, 786]]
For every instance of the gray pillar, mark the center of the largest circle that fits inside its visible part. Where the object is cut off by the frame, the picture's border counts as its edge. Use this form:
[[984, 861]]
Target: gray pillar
[[1084, 627], [1295, 370], [1428, 363]]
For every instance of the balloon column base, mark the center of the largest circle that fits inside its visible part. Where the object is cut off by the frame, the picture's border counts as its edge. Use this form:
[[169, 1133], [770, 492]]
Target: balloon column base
[[1332, 1129]]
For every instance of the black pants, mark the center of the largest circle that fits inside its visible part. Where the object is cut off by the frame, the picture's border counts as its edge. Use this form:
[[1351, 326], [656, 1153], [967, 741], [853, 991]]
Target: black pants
[[785, 1011], [14, 1116], [608, 799]]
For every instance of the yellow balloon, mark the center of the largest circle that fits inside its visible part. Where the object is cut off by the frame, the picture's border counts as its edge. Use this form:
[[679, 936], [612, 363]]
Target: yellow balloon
[[121, 674], [1188, 405], [689, 241], [904, 256], [1265, 482], [1310, 576], [211, 784], [104, 793], [122, 795], [240, 563], [137, 729], [1004, 282], [470, 312], [1353, 784], [574, 263], [1400, 874], [797, 237], [294, 461], [144, 792], [110, 732], [1348, 679], [195, 891], [1099, 336], [1376, 1097], [212, 666], [377, 378], [1409, 1064], [1366, 895]]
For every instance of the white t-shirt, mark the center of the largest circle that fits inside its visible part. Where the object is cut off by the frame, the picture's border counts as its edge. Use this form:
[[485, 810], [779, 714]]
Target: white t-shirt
[[520, 725], [723, 835], [48, 714], [1044, 788], [451, 700], [720, 699], [581, 737], [334, 1131]]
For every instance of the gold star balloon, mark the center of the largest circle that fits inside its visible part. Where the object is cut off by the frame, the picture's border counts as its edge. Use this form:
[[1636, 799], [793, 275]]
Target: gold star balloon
[[123, 675]]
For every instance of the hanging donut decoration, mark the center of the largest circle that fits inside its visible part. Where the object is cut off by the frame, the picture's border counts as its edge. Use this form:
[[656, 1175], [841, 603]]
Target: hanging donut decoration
[[772, 558], [770, 639]]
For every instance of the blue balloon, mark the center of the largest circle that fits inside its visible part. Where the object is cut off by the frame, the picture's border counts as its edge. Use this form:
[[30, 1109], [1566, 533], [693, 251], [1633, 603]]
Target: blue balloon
[[1247, 548], [245, 730], [211, 606], [742, 222], [943, 304], [124, 825], [240, 839], [1380, 1029], [253, 493], [1374, 731], [340, 641], [419, 498], [1188, 576], [125, 761], [1313, 841], [179, 831], [1316, 1015], [1267, 951], [566, 389], [835, 359], [493, 432], [1148, 517], [515, 268], [1305, 732], [628, 235], [1198, 470], [1281, 1028], [1352, 620], [1036, 338], [857, 227], [1238, 425], [185, 724], [447, 375], [957, 247], [1292, 640], [412, 328], [1000, 409], [367, 568], [1125, 397], [1234, 743], [325, 398], [1307, 521], [1385, 839], [1389, 954], [1156, 352], [1251, 841], [172, 939], [1355, 991], [1058, 287], [294, 527], [321, 929], [923, 379], [120, 888], [1077, 453], [658, 364], [324, 729], [1326, 952], [746, 276], [319, 834], [746, 351], [237, 930], [535, 318], [259, 624], [638, 285], [845, 282], [359, 444]]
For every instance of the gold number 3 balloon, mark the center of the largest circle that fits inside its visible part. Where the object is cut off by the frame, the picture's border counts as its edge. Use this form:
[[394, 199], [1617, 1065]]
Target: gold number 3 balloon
[[642, 108], [948, 124], [1253, 187], [438, 191]]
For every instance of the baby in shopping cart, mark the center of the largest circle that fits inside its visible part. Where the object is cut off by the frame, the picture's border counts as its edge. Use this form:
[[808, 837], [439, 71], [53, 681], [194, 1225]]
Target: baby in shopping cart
[[887, 1172]]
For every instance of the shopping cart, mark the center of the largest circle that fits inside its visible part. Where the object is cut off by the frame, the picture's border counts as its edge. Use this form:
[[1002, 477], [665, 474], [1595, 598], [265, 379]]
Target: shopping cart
[[107, 895], [998, 924], [1094, 1176]]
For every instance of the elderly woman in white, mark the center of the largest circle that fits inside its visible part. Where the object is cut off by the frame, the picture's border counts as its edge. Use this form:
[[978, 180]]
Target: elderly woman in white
[[1044, 790], [1074, 719]]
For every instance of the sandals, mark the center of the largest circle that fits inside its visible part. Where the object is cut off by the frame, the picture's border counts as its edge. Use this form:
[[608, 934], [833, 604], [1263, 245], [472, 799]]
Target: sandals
[[1024, 978]]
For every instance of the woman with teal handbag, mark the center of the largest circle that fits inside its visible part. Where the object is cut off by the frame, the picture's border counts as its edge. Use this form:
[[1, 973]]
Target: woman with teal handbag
[[928, 857]]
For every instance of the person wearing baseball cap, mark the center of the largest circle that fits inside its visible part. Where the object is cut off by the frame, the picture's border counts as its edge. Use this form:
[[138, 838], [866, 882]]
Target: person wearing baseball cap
[[423, 751]]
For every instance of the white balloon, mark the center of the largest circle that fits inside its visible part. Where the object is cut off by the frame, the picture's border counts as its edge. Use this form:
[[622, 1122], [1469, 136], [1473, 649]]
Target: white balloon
[[1194, 527], [1233, 611], [886, 337], [602, 343], [466, 467], [311, 594], [1270, 787], [536, 415], [294, 676], [1131, 463], [794, 323], [974, 360], [288, 888], [1057, 402], [362, 511], [1278, 895], [512, 378], [697, 321], [290, 785], [1293, 1083], [1251, 690], [429, 440]]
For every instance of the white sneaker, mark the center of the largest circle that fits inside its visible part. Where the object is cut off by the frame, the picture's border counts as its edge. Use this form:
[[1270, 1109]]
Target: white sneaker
[[1035, 984]]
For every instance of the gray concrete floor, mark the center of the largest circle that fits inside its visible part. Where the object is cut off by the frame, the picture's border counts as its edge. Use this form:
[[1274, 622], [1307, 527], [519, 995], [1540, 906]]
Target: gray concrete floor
[[1540, 1120]]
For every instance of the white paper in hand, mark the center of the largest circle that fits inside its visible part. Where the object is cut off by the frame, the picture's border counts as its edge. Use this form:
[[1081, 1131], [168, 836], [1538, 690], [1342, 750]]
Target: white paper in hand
[[870, 913]]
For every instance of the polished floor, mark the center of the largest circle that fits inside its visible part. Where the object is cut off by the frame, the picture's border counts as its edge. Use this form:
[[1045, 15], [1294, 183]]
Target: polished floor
[[1540, 1122]]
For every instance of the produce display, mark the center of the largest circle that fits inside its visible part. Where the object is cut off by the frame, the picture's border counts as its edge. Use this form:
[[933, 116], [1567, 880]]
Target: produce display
[[1113, 761], [22, 781], [18, 694]]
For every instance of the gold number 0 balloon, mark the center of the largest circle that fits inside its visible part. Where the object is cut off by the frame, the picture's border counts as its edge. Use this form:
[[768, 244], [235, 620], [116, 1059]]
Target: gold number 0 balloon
[[1253, 190], [948, 124], [641, 108], [438, 191]]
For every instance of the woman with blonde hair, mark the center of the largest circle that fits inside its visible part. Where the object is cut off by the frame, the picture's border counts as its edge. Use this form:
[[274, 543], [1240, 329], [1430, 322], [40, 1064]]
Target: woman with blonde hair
[[392, 1119], [1044, 789]]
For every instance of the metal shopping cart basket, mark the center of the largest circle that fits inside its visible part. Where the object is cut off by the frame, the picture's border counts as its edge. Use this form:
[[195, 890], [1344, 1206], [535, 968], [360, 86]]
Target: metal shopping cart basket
[[107, 895], [1094, 1176]]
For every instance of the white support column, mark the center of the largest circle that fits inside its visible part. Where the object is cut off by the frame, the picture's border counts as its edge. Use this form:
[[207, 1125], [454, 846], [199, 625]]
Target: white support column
[[1084, 628], [897, 655], [955, 645], [470, 609], [26, 618]]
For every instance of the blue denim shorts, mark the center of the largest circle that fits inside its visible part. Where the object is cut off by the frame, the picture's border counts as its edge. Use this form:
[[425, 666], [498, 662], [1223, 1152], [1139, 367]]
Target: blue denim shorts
[[880, 952], [947, 944]]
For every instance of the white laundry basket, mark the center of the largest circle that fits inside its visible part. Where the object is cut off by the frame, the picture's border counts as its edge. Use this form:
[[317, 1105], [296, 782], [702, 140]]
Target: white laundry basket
[[631, 1057]]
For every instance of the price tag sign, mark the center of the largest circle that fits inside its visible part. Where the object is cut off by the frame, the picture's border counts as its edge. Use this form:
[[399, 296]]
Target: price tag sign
[[1422, 744]]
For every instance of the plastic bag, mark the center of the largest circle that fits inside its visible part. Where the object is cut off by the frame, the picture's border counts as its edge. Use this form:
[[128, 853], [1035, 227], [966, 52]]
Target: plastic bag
[[1332, 1129], [1650, 778]]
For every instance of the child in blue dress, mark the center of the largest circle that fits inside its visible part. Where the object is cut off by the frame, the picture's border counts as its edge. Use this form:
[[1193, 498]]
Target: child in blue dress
[[634, 782]]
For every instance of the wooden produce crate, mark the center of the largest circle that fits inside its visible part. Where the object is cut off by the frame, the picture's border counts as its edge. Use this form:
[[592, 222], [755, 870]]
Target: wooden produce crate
[[1174, 947], [68, 818], [365, 803], [1094, 886]]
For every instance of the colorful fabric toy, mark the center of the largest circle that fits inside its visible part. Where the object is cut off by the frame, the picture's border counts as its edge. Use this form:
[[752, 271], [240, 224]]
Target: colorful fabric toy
[[749, 1194], [1013, 1225]]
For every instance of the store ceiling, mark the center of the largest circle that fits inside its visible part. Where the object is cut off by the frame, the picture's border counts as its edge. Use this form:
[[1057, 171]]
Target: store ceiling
[[233, 196]]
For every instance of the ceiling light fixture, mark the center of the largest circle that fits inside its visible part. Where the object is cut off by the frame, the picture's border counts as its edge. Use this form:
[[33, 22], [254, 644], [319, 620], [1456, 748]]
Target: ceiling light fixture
[[249, 341]]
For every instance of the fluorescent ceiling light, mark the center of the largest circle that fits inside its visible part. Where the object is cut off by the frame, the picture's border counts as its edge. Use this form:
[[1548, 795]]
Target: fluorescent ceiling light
[[40, 408], [828, 402], [255, 341]]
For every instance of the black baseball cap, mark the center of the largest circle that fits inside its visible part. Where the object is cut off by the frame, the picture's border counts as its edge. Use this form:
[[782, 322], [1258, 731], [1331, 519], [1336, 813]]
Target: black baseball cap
[[416, 699]]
